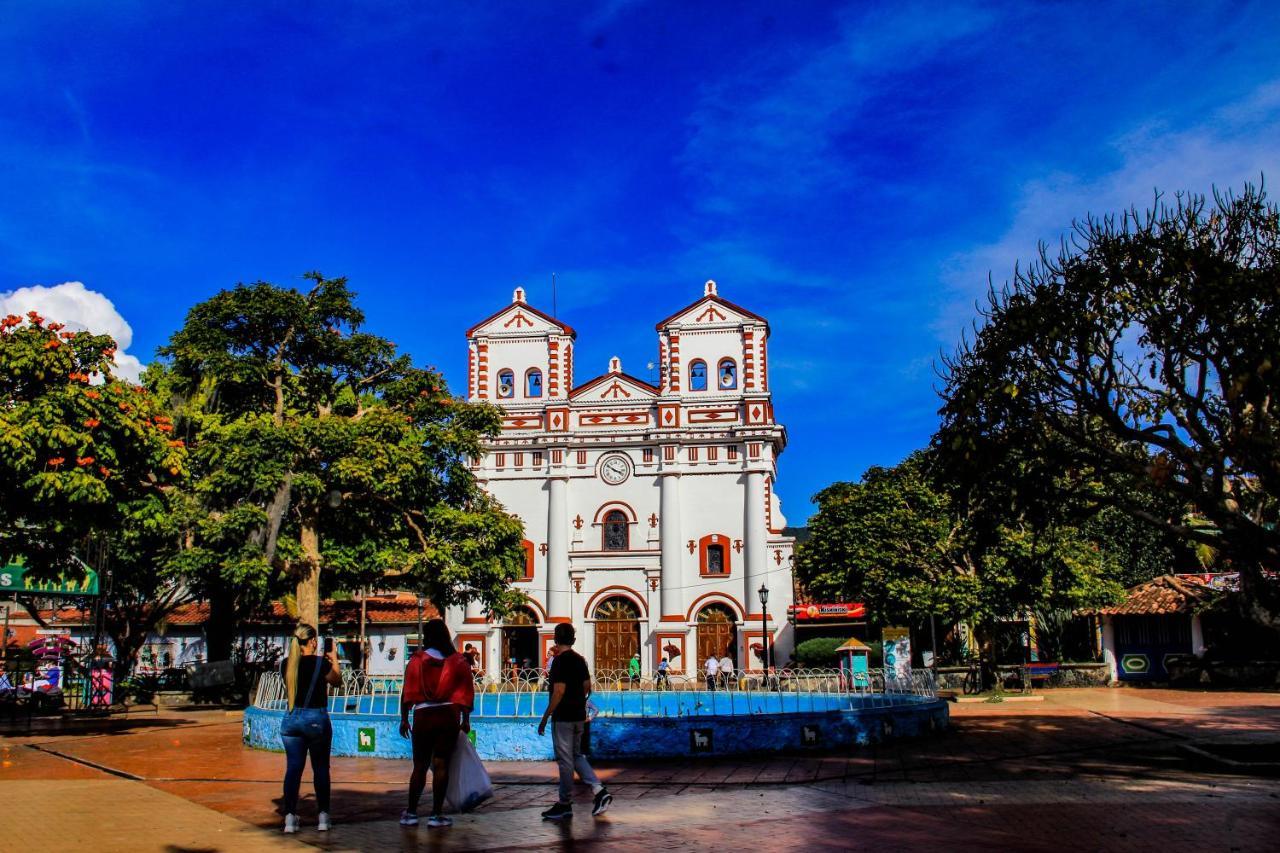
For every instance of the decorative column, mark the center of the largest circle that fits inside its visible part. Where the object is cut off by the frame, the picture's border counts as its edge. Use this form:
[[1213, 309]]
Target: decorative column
[[671, 595], [1109, 648], [757, 541], [557, 600]]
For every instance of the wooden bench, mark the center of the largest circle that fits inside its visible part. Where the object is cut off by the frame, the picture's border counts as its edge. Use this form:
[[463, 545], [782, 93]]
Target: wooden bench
[[1039, 673]]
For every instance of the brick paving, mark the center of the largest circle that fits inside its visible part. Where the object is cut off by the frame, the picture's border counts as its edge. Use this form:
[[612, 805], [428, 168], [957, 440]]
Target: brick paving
[[1089, 769]]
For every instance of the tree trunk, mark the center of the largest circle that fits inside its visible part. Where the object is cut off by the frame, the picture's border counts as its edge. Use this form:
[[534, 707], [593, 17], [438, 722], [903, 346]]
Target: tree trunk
[[308, 592], [220, 630]]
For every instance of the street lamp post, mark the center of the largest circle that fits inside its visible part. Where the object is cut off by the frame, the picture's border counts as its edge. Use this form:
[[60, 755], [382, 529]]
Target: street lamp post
[[764, 627]]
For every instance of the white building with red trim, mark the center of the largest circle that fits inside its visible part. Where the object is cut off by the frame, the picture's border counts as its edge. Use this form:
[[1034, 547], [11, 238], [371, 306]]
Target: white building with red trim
[[649, 511]]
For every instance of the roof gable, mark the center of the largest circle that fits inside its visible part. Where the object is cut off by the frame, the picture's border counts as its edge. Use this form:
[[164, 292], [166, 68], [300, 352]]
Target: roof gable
[[613, 387], [712, 310], [520, 318], [1164, 595]]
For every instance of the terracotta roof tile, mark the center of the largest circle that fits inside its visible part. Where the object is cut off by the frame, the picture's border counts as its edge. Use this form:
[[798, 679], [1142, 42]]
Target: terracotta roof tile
[[398, 608], [1160, 596]]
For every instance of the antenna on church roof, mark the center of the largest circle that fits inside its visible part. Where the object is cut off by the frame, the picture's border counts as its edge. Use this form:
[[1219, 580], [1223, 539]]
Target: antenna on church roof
[[553, 295], [518, 295], [710, 289]]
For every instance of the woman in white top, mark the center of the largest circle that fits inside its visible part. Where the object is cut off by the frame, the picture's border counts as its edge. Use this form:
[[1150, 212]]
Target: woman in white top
[[713, 666]]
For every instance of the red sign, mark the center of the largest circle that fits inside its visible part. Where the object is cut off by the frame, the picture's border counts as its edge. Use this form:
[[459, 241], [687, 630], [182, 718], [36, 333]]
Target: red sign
[[838, 610]]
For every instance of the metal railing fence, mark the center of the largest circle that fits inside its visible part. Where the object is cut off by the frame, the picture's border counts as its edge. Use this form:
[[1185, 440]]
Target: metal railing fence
[[617, 694]]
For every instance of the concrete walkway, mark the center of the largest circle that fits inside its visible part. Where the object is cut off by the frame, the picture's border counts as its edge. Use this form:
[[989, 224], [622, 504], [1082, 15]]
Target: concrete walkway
[[1090, 769]]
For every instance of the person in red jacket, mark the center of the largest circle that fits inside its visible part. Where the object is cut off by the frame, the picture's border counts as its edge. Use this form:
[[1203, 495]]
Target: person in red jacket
[[438, 695]]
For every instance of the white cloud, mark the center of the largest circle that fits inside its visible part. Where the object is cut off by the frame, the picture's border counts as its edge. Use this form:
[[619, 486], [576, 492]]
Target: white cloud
[[78, 307], [1237, 143]]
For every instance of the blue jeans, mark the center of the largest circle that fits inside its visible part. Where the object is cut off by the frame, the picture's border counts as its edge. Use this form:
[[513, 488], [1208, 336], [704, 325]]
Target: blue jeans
[[306, 731], [566, 738]]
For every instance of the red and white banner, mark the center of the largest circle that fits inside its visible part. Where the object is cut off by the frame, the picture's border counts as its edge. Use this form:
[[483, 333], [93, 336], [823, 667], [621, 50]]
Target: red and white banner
[[836, 610]]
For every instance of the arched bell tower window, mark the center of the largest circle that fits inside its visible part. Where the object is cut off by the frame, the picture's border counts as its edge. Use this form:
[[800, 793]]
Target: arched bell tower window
[[616, 531], [727, 374], [697, 375], [533, 383], [506, 384]]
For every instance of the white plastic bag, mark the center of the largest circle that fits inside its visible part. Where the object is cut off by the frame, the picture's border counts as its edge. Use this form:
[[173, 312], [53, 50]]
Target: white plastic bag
[[469, 784]]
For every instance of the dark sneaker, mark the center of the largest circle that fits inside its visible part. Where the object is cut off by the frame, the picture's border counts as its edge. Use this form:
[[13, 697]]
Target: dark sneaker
[[601, 801], [559, 811]]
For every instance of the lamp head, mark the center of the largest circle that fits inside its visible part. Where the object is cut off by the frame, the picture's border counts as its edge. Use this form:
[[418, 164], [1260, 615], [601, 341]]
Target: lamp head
[[764, 594]]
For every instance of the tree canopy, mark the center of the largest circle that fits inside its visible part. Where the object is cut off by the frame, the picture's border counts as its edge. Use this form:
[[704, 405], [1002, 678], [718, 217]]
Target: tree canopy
[[900, 542], [81, 450], [316, 445], [1139, 360]]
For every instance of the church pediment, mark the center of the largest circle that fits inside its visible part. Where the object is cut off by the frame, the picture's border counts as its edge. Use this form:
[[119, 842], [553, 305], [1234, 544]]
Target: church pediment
[[614, 388], [519, 318], [711, 311]]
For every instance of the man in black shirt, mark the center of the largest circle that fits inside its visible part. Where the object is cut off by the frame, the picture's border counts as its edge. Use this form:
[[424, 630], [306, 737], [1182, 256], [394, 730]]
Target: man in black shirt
[[567, 709]]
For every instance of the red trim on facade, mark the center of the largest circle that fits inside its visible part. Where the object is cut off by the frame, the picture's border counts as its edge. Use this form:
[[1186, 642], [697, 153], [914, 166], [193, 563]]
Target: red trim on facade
[[680, 619], [538, 612], [660, 640], [474, 620], [632, 518], [673, 364], [714, 598], [610, 592], [640, 384], [764, 364], [523, 306], [703, 544], [527, 546], [711, 297]]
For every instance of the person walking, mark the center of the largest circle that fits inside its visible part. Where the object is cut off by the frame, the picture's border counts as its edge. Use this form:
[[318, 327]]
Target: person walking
[[664, 676], [633, 670], [305, 729], [712, 666], [435, 706], [726, 671], [567, 710]]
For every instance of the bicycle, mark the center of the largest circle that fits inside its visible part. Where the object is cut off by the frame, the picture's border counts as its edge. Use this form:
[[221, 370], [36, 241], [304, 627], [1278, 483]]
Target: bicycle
[[973, 677]]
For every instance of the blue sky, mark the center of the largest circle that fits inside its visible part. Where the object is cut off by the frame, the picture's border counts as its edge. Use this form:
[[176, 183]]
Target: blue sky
[[851, 171]]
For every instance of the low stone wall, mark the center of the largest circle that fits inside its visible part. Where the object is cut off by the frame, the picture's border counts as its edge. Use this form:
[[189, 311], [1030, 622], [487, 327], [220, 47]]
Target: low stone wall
[[1068, 675], [516, 738]]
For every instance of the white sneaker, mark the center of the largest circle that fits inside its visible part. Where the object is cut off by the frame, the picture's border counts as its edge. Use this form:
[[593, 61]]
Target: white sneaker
[[439, 820], [323, 824], [290, 823], [408, 818]]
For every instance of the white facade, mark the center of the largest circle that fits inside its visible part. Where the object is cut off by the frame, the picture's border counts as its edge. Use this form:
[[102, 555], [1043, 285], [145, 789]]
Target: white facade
[[647, 510]]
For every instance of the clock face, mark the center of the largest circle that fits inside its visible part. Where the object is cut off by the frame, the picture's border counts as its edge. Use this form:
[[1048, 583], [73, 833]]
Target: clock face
[[615, 469]]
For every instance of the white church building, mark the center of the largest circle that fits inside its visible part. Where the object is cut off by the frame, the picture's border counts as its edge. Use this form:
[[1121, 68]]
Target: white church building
[[650, 515]]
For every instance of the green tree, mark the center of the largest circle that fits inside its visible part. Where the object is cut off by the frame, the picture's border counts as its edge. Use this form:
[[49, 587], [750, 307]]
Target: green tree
[[316, 446], [79, 448], [88, 465], [1140, 360], [900, 541]]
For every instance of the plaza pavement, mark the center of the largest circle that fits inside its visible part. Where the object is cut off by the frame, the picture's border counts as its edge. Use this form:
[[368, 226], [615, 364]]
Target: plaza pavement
[[1087, 769]]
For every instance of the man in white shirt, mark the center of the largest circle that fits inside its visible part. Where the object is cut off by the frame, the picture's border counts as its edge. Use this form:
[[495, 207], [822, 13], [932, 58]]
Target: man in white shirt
[[712, 666], [726, 671]]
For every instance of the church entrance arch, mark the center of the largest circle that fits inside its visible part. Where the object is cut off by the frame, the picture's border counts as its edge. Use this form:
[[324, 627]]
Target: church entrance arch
[[617, 623], [519, 643], [717, 633]]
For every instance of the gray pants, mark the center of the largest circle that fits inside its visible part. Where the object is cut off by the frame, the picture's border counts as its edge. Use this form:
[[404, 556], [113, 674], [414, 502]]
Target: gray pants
[[567, 738]]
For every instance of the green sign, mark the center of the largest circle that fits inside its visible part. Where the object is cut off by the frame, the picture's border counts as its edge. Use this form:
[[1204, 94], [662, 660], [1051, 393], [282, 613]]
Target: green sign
[[13, 578], [366, 740]]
